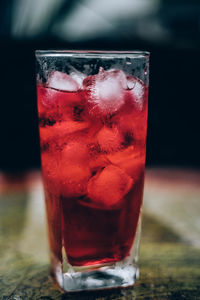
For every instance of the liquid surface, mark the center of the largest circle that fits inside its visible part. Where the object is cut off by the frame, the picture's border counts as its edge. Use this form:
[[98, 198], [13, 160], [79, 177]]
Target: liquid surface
[[93, 140]]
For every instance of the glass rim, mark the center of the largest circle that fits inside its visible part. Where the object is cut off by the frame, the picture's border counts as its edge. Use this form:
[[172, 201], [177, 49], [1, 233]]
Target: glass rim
[[93, 53]]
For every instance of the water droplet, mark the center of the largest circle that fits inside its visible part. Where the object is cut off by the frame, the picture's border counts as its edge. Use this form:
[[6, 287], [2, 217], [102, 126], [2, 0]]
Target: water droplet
[[128, 61]]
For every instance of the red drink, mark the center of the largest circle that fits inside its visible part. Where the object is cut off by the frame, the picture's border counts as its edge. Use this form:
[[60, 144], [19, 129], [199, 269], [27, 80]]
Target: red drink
[[93, 141]]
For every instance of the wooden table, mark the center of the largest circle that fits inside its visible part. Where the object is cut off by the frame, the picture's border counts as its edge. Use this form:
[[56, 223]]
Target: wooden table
[[169, 252]]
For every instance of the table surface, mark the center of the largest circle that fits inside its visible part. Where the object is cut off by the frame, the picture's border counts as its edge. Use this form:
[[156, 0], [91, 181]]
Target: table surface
[[169, 252]]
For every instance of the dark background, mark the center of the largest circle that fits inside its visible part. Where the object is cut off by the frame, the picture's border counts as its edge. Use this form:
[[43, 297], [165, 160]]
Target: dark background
[[170, 30]]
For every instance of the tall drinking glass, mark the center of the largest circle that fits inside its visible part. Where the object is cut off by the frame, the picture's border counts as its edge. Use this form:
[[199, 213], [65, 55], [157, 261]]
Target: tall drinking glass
[[92, 109]]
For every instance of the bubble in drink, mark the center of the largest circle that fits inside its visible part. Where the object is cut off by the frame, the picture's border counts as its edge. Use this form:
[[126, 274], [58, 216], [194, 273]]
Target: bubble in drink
[[136, 91]]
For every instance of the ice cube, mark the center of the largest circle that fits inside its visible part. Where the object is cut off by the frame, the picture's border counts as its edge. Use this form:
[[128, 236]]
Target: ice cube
[[61, 130], [50, 100], [105, 91], [74, 169], [136, 90], [131, 160], [67, 171], [98, 163], [107, 188], [63, 82], [109, 139], [119, 75], [75, 151], [73, 179], [97, 158], [47, 99], [78, 77]]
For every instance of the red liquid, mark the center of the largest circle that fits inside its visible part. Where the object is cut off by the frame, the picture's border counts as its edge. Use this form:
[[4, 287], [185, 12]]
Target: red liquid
[[93, 169]]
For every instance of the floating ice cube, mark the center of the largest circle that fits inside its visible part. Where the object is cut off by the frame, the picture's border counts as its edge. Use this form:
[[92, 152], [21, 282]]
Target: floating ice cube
[[119, 75], [47, 99], [105, 91], [78, 77], [136, 90], [53, 99], [107, 188], [63, 82]]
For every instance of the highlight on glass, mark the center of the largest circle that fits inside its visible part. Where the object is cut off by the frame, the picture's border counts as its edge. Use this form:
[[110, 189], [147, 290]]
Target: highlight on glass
[[92, 109]]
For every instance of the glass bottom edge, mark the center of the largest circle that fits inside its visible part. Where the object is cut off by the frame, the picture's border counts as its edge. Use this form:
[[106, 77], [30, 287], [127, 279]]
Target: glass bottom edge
[[99, 279]]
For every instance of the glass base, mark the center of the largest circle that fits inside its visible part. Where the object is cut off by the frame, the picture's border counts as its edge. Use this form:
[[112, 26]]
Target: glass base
[[100, 276], [105, 277]]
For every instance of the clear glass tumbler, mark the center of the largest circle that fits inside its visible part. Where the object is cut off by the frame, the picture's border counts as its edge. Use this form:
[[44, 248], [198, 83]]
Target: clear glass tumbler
[[92, 109]]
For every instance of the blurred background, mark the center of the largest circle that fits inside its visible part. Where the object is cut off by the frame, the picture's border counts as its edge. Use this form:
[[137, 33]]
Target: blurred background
[[169, 29]]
